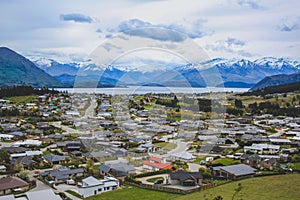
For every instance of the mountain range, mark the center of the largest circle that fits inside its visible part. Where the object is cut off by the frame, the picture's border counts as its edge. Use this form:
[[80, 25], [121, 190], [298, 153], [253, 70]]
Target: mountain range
[[16, 69], [234, 72], [276, 80]]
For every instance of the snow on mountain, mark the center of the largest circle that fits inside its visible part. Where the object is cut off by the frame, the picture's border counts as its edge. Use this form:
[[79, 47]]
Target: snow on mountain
[[43, 62], [233, 71]]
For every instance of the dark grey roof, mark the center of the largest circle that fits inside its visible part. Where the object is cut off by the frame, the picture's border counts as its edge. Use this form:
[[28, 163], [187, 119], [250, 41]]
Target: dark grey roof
[[183, 175], [104, 168], [239, 170], [25, 160], [62, 173], [121, 169], [54, 158]]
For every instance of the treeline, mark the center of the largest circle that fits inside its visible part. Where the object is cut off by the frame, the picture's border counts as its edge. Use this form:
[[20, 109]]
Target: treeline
[[25, 91], [273, 108], [168, 102], [291, 87]]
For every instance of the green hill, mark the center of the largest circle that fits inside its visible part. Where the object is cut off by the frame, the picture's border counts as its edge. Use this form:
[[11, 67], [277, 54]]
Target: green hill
[[16, 69], [261, 188], [269, 187]]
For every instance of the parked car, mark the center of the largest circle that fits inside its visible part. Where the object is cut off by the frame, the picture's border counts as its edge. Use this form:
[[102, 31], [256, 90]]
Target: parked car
[[70, 182], [158, 182]]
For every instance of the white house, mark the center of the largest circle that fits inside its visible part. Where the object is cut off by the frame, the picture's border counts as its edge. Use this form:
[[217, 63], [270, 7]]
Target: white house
[[27, 143], [92, 186], [6, 137], [262, 148], [183, 156]]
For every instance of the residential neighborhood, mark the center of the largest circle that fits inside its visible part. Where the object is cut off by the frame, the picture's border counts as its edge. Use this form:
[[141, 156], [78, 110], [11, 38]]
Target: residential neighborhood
[[73, 146]]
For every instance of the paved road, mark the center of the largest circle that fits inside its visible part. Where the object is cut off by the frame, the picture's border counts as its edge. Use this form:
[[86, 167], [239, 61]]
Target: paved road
[[67, 129], [181, 146], [40, 186], [90, 111]]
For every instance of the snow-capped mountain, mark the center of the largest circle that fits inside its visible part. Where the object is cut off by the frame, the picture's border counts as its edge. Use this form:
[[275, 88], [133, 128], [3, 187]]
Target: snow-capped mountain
[[55, 68], [233, 72]]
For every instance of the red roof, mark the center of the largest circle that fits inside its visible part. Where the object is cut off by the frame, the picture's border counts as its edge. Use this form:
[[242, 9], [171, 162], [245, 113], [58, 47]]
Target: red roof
[[158, 165], [155, 159]]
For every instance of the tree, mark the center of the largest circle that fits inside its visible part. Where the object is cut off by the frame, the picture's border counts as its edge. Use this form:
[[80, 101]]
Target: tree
[[89, 164], [238, 103], [23, 174], [4, 156]]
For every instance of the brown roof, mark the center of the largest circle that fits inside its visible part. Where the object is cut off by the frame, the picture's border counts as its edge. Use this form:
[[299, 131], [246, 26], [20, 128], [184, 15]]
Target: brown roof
[[12, 182]]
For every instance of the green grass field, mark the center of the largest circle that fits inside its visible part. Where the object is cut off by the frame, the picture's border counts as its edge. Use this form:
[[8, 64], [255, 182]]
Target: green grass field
[[22, 99], [269, 187], [226, 161], [134, 193]]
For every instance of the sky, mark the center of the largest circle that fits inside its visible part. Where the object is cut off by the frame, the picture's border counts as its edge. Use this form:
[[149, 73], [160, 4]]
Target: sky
[[70, 31]]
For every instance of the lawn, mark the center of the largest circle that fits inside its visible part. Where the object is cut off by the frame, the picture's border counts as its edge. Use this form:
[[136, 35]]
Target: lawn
[[268, 187], [134, 193], [225, 161], [166, 146], [22, 99], [152, 180]]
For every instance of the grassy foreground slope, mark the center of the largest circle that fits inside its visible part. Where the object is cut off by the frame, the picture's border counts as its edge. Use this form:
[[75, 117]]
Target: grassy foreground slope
[[269, 187], [134, 193]]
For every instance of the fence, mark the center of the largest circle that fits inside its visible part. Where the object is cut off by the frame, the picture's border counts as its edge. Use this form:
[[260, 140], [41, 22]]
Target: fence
[[170, 189]]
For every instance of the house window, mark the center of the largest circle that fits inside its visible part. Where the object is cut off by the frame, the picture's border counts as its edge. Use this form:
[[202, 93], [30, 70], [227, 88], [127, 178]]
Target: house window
[[100, 189], [95, 192]]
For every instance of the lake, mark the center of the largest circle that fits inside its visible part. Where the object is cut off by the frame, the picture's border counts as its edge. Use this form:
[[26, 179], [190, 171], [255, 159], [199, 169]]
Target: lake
[[151, 89]]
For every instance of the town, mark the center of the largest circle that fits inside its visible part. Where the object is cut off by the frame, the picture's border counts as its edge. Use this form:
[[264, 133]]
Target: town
[[73, 146]]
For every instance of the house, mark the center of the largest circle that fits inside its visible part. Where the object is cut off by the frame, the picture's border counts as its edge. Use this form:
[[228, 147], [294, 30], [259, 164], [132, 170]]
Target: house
[[148, 147], [2, 168], [13, 150], [92, 186], [6, 137], [70, 145], [119, 152], [26, 161], [26, 153], [183, 156], [97, 155], [225, 141], [184, 178], [233, 172], [54, 159], [280, 141], [42, 194], [156, 164], [117, 169], [250, 159], [11, 184], [27, 143], [262, 148], [62, 175]]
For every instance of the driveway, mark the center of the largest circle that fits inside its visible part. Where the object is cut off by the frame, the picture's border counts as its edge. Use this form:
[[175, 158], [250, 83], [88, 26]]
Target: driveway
[[65, 187], [144, 179], [194, 167]]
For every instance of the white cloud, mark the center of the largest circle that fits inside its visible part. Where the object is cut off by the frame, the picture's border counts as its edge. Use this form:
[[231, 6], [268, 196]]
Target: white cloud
[[257, 24]]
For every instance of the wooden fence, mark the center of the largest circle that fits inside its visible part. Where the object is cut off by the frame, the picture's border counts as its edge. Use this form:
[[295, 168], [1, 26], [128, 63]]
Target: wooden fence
[[171, 189]]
